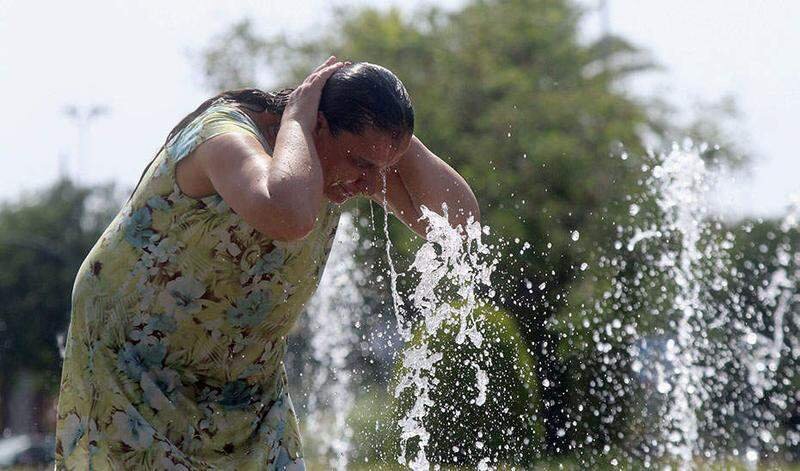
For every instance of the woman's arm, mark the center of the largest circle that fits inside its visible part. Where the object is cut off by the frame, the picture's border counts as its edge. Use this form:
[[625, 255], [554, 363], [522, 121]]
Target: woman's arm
[[420, 178], [278, 195]]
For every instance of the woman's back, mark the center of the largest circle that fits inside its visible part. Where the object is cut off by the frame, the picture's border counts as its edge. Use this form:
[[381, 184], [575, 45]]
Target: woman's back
[[174, 354]]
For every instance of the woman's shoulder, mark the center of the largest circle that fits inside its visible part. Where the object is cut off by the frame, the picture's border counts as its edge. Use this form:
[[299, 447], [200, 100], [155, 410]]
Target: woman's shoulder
[[218, 118]]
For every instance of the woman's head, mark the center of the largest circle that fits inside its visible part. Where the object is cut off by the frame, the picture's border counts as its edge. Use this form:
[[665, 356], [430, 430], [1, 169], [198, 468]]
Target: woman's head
[[366, 124], [363, 95]]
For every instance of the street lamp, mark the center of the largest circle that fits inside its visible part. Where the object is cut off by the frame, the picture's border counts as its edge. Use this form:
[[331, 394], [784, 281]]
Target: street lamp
[[83, 117]]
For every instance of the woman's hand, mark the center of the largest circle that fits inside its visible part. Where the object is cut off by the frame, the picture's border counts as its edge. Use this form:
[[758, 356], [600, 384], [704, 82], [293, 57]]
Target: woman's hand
[[303, 104]]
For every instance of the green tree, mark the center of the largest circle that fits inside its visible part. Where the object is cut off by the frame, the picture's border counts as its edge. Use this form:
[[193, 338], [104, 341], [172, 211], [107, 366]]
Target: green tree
[[43, 240]]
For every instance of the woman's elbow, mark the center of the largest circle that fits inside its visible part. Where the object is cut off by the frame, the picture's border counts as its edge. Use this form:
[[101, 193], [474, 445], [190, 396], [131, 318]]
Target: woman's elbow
[[475, 212], [467, 213], [285, 222], [470, 210]]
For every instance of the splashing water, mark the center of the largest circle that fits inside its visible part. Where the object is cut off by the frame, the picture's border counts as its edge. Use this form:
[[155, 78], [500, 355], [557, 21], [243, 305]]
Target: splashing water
[[452, 258], [450, 261], [333, 312]]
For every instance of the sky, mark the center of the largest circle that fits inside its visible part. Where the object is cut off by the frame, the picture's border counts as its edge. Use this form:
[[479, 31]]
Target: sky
[[140, 59], [739, 48]]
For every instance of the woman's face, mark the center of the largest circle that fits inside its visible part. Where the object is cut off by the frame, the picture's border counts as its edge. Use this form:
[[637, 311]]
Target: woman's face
[[353, 164]]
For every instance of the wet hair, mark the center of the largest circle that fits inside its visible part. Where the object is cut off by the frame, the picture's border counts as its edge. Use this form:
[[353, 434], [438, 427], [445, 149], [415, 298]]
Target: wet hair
[[364, 95], [356, 97]]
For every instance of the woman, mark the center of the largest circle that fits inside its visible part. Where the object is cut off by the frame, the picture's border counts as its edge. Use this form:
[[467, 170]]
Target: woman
[[175, 349]]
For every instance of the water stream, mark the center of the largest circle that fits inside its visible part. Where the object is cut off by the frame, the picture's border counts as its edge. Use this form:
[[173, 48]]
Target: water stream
[[452, 266]]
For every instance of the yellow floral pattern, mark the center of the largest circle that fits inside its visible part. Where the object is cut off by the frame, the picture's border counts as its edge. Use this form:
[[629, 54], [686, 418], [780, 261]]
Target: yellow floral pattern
[[174, 356]]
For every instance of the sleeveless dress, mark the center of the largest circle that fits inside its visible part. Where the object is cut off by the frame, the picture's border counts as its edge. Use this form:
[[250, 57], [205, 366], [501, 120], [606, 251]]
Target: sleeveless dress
[[174, 355]]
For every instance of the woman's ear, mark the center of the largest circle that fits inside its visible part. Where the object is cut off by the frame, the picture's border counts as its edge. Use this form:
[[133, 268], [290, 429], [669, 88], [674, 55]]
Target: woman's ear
[[322, 124]]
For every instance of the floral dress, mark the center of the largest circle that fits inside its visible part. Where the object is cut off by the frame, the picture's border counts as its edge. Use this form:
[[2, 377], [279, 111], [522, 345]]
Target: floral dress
[[174, 356]]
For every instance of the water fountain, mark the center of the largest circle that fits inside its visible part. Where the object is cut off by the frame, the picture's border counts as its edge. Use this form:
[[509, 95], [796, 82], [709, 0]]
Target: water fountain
[[701, 366], [703, 369], [333, 314]]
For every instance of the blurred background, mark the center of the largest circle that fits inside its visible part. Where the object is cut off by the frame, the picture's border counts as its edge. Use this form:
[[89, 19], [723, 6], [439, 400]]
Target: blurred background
[[555, 111]]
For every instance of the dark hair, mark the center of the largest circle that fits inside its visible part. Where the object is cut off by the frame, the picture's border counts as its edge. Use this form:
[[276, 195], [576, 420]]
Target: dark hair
[[365, 95], [356, 97]]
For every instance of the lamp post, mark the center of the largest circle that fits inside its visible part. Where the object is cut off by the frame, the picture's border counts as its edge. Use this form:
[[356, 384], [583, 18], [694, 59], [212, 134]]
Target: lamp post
[[605, 17], [605, 26], [83, 117]]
